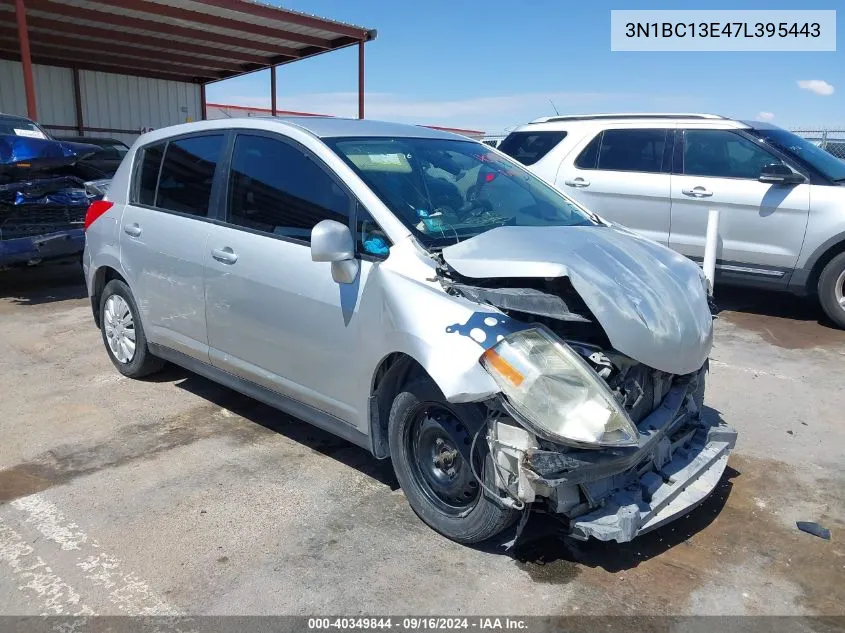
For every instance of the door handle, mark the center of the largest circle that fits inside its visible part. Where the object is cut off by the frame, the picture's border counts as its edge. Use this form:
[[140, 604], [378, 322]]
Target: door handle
[[697, 192], [577, 182], [224, 255], [132, 229]]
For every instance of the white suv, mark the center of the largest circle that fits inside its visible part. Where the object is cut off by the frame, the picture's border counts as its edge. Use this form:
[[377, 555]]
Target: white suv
[[782, 199]]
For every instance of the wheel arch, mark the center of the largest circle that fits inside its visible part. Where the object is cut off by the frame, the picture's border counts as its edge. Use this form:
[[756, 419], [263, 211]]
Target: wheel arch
[[393, 371], [816, 263], [102, 276]]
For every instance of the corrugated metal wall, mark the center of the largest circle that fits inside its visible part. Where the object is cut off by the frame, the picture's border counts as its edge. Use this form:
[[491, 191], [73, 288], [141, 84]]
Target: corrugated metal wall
[[53, 90], [125, 102], [122, 105]]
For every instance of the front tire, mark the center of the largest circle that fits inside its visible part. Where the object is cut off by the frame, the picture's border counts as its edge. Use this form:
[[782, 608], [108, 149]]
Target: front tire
[[430, 440], [832, 290], [123, 334]]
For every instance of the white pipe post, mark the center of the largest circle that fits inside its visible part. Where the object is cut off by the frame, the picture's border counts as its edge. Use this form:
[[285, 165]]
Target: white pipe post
[[710, 246]]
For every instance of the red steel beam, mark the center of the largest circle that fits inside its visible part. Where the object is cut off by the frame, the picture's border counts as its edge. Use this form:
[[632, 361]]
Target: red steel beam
[[273, 13], [26, 61], [157, 28], [361, 79], [99, 66], [209, 19], [90, 47], [69, 29], [81, 58]]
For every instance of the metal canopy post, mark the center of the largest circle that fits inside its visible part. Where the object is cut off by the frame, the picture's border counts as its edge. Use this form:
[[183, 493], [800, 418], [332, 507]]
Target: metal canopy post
[[203, 105], [77, 101], [26, 61], [361, 79], [273, 109]]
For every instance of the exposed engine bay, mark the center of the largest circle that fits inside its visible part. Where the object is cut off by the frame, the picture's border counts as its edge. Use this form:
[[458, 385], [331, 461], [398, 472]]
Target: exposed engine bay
[[607, 493]]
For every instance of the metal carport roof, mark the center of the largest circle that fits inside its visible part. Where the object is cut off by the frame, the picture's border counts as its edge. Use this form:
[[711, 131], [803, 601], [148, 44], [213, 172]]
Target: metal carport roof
[[182, 40]]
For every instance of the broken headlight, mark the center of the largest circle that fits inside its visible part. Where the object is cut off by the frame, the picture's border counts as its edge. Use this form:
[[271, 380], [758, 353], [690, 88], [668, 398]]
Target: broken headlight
[[557, 392]]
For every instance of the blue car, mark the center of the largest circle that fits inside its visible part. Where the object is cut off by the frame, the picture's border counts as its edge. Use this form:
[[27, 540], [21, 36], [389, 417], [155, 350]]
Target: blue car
[[43, 194]]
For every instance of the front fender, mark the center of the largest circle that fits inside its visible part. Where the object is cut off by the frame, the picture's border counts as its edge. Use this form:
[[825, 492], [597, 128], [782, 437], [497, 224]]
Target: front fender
[[445, 334]]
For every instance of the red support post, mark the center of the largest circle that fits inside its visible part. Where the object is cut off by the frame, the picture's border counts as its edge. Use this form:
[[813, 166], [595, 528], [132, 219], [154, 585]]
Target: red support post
[[361, 79], [203, 108], [273, 108], [77, 100], [26, 61]]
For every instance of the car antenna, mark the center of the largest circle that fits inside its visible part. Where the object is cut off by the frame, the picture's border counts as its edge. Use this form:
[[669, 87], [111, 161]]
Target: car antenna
[[553, 107]]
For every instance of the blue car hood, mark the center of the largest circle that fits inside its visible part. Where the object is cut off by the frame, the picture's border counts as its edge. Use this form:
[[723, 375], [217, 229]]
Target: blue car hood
[[649, 300], [37, 154]]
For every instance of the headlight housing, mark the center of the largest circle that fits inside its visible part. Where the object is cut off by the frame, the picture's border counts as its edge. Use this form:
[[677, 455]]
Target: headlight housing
[[557, 392]]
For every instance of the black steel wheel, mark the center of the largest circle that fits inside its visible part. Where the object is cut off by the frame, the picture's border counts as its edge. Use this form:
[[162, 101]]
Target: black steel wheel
[[430, 441], [438, 444]]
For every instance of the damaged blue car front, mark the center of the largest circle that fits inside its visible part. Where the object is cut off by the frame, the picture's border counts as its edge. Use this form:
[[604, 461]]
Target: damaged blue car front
[[43, 196]]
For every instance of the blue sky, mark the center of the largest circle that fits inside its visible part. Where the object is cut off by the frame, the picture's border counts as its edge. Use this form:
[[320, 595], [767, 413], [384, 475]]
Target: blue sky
[[495, 64]]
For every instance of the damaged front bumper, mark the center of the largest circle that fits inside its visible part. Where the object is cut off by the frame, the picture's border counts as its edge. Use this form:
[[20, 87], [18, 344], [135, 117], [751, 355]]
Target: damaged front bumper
[[41, 248], [618, 494]]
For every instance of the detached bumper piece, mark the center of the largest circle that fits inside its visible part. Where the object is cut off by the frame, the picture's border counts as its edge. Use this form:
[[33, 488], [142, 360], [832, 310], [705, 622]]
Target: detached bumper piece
[[658, 497], [619, 494]]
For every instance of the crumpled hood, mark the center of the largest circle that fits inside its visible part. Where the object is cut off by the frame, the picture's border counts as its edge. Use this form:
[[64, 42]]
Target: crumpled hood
[[649, 299]]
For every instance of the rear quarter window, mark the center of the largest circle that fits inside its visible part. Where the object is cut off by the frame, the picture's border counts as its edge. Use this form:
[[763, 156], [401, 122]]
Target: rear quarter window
[[529, 147], [149, 164]]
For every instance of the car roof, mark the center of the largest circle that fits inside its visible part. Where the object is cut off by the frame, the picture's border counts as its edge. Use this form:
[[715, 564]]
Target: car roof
[[321, 127], [628, 118]]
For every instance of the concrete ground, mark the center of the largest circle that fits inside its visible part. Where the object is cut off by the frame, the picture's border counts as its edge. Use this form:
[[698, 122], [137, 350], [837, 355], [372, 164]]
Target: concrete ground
[[175, 495]]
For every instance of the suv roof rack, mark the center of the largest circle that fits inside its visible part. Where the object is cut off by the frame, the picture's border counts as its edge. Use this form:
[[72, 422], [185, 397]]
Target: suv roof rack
[[627, 115]]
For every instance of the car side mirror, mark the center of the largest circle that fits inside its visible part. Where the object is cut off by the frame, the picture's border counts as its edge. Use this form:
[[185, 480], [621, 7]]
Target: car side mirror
[[779, 174], [332, 242]]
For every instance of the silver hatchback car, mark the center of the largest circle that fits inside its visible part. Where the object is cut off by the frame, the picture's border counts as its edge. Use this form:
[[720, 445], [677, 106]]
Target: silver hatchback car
[[427, 298]]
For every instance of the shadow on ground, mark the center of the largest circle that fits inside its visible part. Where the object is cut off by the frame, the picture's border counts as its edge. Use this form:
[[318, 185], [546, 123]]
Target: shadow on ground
[[781, 319], [274, 420], [43, 284], [549, 556], [542, 548]]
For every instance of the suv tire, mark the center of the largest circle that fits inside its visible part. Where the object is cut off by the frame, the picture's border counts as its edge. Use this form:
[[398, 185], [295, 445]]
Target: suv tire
[[831, 289], [123, 334], [430, 440]]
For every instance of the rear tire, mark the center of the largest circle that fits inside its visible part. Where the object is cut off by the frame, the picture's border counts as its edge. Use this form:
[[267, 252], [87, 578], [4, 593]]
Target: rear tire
[[429, 441], [831, 290], [123, 334]]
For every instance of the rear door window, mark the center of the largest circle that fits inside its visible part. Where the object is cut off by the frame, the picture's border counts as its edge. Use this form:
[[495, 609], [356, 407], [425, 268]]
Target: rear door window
[[632, 150], [529, 147], [187, 173], [276, 188]]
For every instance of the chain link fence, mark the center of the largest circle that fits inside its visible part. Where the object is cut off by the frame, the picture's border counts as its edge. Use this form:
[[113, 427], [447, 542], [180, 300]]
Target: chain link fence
[[831, 140]]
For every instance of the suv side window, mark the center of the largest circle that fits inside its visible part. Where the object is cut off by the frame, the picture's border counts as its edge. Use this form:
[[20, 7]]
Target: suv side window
[[150, 165], [276, 188], [187, 173], [632, 150], [723, 154], [529, 147]]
